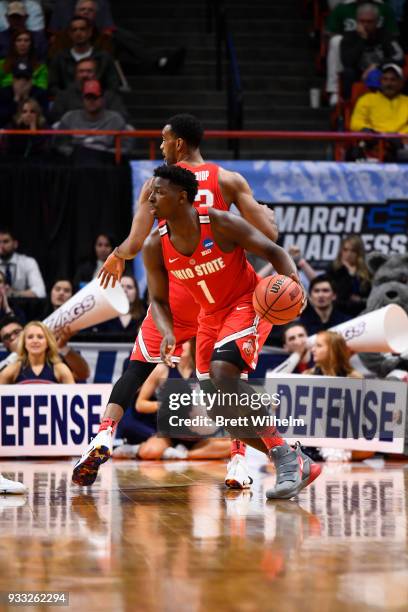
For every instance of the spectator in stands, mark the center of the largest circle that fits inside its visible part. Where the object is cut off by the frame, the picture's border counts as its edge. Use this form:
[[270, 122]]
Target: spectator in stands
[[344, 19], [5, 309], [129, 48], [332, 358], [20, 90], [22, 52], [295, 342], [101, 39], [348, 272], [367, 48], [93, 116], [38, 359], [126, 326], [89, 269], [306, 272], [351, 276], [321, 313], [29, 116], [18, 16], [71, 98], [10, 330], [62, 68], [61, 292], [385, 110], [22, 274], [64, 11]]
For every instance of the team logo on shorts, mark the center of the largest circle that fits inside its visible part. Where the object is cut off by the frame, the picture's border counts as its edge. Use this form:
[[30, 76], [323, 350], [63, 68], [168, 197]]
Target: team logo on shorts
[[207, 244], [248, 347]]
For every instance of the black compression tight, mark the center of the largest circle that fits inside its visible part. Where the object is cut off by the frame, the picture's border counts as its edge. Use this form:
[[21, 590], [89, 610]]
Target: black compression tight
[[126, 387]]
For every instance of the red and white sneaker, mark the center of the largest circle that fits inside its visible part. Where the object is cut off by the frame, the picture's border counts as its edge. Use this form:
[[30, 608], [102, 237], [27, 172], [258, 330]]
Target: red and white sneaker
[[99, 450], [237, 474], [294, 471]]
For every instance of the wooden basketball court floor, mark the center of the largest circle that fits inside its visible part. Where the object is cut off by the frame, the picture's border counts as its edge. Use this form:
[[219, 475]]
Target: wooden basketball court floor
[[169, 537]]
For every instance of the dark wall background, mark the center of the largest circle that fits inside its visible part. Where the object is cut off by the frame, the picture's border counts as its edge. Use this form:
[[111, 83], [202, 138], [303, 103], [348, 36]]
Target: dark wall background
[[57, 211]]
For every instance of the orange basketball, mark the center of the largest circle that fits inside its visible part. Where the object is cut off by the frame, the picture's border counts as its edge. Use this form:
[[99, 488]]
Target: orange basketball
[[278, 299]]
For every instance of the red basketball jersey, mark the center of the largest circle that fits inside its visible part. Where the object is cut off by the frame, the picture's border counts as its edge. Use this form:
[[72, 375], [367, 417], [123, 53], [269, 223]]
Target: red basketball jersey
[[209, 192], [215, 279]]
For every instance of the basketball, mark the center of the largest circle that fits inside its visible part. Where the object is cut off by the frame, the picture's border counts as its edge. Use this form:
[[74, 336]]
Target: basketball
[[278, 299]]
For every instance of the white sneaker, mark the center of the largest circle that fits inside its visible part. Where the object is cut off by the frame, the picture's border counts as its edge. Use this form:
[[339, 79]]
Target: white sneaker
[[11, 486], [237, 474], [175, 452], [126, 451], [98, 451], [335, 454]]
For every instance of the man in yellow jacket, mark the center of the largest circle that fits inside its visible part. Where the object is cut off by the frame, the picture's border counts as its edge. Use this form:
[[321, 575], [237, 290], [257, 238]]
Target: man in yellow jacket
[[385, 110]]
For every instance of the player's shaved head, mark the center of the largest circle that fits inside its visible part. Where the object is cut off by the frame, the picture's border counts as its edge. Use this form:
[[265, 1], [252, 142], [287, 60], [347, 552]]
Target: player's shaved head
[[187, 127], [181, 177]]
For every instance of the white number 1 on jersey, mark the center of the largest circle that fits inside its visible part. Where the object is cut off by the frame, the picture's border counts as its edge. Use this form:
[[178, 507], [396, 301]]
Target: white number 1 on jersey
[[206, 291]]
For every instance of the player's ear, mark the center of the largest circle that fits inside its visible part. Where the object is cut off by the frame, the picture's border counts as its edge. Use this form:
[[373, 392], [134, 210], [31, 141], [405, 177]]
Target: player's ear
[[179, 144]]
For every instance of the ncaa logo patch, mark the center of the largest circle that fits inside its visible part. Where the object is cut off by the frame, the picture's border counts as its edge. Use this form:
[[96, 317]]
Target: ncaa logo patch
[[207, 244]]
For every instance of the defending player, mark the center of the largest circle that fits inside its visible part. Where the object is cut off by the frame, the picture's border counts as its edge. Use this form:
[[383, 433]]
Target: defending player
[[219, 188], [204, 249]]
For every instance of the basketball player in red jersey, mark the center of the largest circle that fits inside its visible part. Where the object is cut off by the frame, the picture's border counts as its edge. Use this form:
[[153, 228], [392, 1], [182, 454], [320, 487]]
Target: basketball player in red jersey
[[204, 249], [182, 136]]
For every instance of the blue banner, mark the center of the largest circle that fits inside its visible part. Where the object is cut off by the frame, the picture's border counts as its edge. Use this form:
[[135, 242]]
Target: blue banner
[[308, 181]]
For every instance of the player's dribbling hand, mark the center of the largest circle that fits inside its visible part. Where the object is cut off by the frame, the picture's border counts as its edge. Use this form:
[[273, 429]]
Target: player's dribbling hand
[[295, 277], [167, 347], [112, 269]]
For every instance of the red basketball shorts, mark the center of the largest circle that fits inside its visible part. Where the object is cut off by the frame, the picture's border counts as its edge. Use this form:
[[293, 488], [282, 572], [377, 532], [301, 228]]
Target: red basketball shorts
[[239, 324], [148, 340]]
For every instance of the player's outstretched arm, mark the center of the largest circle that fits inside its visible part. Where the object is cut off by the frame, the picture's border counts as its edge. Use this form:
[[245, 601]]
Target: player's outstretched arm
[[236, 189], [233, 230], [158, 285], [142, 223]]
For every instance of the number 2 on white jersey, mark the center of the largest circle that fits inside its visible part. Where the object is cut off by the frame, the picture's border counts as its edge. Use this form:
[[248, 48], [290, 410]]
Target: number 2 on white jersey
[[206, 291], [205, 197]]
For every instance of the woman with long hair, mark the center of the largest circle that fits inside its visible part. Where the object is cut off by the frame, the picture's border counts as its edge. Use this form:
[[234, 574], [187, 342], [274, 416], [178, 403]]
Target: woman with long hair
[[349, 273], [38, 359], [89, 268], [22, 52], [351, 276], [331, 356], [29, 116]]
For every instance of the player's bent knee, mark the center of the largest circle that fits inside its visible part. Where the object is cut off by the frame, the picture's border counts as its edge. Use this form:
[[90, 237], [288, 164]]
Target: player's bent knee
[[126, 387], [221, 372]]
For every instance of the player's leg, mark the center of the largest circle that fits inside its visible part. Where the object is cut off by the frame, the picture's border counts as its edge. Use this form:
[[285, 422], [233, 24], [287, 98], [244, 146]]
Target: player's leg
[[237, 476], [294, 469], [100, 448], [12, 487], [145, 356]]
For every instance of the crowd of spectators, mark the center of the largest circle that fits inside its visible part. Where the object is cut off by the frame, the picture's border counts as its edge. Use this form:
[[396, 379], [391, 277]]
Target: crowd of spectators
[[363, 50], [23, 294], [65, 59]]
